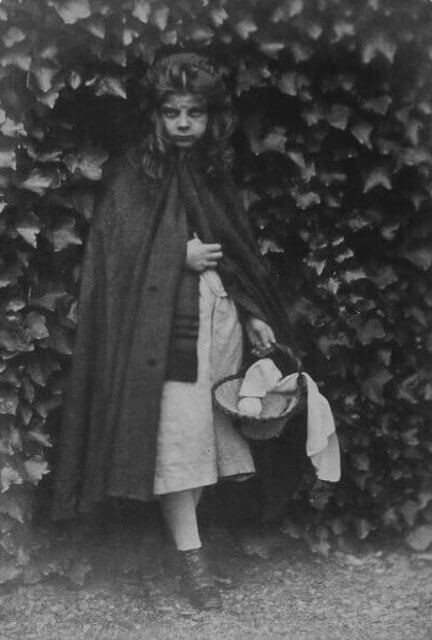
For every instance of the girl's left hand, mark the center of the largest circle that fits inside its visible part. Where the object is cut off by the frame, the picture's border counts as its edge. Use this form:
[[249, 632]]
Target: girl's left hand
[[260, 335]]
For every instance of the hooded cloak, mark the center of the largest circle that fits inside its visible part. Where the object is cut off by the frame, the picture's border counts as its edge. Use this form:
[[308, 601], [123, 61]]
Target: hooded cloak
[[132, 273]]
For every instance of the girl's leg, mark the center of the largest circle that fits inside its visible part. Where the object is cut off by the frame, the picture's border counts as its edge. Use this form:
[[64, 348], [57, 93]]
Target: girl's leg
[[197, 493], [179, 511]]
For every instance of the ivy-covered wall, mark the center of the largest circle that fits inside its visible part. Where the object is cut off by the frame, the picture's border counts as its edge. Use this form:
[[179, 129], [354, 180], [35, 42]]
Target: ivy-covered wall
[[335, 165]]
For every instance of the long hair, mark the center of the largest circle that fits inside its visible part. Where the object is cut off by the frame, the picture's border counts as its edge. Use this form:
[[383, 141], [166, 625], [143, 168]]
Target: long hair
[[195, 74]]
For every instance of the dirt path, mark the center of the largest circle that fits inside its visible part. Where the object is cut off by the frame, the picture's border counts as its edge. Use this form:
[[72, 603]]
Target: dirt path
[[382, 595]]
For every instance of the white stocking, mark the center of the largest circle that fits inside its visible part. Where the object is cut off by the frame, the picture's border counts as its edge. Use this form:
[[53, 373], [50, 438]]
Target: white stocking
[[179, 511]]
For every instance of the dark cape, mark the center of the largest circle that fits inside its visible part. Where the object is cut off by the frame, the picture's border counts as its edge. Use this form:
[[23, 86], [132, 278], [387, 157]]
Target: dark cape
[[131, 275]]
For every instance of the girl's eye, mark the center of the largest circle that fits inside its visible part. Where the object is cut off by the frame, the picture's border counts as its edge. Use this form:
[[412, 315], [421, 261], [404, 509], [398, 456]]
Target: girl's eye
[[197, 113], [169, 113]]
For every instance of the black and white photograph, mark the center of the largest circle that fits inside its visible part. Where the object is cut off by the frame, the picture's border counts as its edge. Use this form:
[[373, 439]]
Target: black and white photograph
[[215, 319]]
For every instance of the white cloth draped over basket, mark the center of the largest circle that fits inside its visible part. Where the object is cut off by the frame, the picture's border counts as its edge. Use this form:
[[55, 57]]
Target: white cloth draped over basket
[[263, 381]]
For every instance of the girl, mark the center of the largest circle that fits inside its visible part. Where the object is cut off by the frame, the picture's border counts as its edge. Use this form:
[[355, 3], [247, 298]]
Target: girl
[[171, 280]]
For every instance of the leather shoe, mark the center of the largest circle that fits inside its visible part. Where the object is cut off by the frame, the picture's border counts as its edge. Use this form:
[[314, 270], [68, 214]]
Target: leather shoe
[[198, 581]]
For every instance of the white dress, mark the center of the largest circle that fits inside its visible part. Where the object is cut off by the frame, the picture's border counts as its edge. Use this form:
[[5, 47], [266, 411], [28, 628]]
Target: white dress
[[197, 443]]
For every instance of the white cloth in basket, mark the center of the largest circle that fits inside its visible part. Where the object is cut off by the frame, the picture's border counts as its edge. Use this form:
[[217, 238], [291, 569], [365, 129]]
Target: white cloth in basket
[[262, 376], [264, 380]]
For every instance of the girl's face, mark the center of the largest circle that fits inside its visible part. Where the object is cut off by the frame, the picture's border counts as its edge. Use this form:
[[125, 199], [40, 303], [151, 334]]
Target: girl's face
[[184, 119]]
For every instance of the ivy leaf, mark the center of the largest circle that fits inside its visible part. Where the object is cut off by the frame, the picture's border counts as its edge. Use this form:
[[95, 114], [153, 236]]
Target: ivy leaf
[[59, 341], [8, 401], [363, 528], [40, 180], [160, 17], [44, 76], [361, 461], [421, 257], [342, 29], [376, 44], [287, 10], [29, 227], [353, 275], [64, 234], [414, 156], [14, 338], [362, 131], [20, 60], [300, 51], [50, 98], [108, 85], [7, 159], [89, 163], [35, 468], [70, 11], [36, 324], [378, 177], [306, 200], [409, 510], [47, 295], [266, 245], [8, 476], [142, 10], [218, 16], [314, 30], [14, 505], [201, 34], [317, 265], [338, 116], [373, 385], [384, 277], [367, 331], [13, 36], [245, 27], [75, 79], [96, 26], [378, 105], [13, 129], [40, 437], [270, 47], [421, 538], [275, 140]]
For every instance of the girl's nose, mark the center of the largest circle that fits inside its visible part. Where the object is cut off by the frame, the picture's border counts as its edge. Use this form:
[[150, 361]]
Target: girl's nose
[[183, 121]]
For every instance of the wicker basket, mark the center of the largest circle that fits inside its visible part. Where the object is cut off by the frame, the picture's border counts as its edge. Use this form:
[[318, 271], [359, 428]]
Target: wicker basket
[[226, 397]]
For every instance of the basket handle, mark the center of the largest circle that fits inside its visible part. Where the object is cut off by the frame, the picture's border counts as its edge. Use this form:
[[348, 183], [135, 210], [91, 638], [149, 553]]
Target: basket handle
[[288, 352], [281, 348]]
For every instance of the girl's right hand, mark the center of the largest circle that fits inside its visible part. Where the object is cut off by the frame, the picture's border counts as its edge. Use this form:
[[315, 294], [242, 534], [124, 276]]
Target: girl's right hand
[[201, 256]]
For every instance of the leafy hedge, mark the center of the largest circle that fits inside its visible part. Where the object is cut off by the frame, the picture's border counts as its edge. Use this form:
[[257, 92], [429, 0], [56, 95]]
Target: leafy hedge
[[333, 155]]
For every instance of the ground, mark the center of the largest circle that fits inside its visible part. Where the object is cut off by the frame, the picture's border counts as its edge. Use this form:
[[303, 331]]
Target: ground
[[284, 590]]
